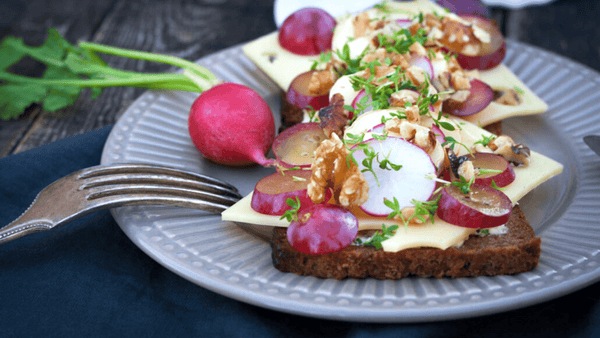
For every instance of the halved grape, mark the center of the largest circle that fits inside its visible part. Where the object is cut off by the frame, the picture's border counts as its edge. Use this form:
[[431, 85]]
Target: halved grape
[[323, 229], [481, 96], [494, 162], [483, 207], [299, 95], [308, 31], [271, 192], [296, 145], [492, 53]]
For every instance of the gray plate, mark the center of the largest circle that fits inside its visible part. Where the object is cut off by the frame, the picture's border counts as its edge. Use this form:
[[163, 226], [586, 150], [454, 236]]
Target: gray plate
[[227, 259]]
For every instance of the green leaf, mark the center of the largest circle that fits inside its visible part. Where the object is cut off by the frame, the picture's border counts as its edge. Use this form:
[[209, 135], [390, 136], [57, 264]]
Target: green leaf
[[14, 99]]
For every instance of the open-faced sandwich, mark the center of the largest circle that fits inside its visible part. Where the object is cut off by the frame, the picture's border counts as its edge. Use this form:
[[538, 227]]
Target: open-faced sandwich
[[384, 169]]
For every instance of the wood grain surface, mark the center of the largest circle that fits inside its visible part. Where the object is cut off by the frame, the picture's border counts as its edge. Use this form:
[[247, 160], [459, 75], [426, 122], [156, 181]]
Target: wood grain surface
[[193, 29]]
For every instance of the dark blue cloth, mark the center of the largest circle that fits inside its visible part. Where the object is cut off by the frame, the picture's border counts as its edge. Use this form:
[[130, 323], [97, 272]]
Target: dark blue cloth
[[87, 279]]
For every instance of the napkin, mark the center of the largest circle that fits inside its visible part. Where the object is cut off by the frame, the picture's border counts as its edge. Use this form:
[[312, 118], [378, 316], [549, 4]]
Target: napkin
[[86, 279]]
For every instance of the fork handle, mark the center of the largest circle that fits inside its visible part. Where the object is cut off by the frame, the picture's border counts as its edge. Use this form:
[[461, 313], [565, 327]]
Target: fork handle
[[18, 229]]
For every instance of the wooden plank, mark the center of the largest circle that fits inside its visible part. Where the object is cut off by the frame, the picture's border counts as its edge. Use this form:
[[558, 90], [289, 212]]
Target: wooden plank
[[185, 29]]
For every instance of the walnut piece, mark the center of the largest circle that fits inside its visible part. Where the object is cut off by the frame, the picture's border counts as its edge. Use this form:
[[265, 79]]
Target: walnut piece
[[321, 82], [330, 170], [334, 117]]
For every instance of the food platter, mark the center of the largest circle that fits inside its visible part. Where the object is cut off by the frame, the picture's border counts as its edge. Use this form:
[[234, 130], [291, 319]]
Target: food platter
[[234, 261]]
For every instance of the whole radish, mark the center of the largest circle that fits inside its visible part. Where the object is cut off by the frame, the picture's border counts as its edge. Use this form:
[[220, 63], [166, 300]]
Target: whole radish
[[231, 124]]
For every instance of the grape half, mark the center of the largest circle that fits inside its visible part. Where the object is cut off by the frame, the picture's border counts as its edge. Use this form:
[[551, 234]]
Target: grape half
[[307, 32]]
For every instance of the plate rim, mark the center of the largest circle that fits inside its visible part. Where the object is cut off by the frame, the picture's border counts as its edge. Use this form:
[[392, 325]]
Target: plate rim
[[380, 315]]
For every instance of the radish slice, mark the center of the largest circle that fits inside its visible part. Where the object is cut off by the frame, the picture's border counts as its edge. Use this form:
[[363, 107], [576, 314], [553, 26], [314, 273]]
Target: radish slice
[[296, 145], [360, 99], [480, 97], [404, 23], [308, 31], [323, 229], [299, 95], [271, 192], [483, 207], [494, 162], [491, 53], [439, 134], [423, 63], [406, 184]]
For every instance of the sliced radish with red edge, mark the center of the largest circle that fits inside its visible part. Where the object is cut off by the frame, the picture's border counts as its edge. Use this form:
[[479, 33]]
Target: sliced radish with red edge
[[424, 64], [406, 184]]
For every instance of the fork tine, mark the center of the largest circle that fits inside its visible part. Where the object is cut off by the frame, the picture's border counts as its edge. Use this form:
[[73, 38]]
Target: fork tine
[[107, 178], [158, 190], [141, 168]]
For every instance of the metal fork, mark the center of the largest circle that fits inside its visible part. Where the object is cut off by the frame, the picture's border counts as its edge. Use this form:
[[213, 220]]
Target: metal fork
[[102, 187]]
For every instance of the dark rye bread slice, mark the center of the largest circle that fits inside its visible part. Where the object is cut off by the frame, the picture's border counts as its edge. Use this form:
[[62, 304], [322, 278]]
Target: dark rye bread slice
[[516, 251]]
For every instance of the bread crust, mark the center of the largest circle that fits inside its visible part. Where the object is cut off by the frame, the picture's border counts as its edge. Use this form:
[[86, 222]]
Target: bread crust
[[516, 251]]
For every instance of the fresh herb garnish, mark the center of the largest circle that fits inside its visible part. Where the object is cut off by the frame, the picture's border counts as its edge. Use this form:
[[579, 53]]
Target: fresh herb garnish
[[485, 140], [70, 69], [453, 142], [324, 58], [463, 185], [386, 233], [291, 214]]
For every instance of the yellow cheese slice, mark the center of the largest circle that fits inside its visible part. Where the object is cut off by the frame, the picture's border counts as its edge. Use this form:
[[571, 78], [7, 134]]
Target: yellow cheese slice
[[283, 66]]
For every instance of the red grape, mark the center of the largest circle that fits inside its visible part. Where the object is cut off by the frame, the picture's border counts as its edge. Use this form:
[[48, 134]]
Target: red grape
[[322, 229], [307, 32]]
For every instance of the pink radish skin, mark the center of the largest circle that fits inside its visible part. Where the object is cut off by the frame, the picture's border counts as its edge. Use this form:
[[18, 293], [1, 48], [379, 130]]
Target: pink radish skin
[[406, 184], [295, 146], [463, 210], [322, 229], [404, 23], [423, 63], [271, 192], [362, 93], [231, 124], [494, 162]]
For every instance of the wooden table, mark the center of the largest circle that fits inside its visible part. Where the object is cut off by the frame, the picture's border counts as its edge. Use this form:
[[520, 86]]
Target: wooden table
[[193, 29]]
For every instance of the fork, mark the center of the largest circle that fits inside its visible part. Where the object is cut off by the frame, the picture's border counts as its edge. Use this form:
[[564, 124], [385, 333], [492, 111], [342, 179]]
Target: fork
[[107, 186]]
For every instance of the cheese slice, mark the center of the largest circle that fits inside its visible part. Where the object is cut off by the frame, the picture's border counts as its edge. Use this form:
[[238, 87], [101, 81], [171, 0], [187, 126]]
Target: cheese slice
[[283, 66]]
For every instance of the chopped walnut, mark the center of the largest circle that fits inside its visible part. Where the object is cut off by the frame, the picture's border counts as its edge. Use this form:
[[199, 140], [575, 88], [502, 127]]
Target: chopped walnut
[[381, 55], [321, 82], [507, 97], [399, 98], [361, 25], [460, 81], [330, 170], [334, 117], [408, 212], [412, 132], [467, 170], [517, 154], [416, 75], [418, 49]]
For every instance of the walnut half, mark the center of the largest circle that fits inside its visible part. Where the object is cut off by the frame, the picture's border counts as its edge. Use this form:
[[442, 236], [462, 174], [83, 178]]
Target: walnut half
[[330, 170]]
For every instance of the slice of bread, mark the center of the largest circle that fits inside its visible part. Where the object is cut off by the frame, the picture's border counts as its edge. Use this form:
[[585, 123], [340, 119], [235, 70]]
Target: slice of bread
[[516, 251]]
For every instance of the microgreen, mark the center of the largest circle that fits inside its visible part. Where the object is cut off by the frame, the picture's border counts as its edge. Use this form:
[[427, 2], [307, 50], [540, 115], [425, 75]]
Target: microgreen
[[291, 214], [485, 140], [70, 69], [422, 209], [463, 185], [386, 233], [312, 114], [324, 58], [453, 142], [495, 186]]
